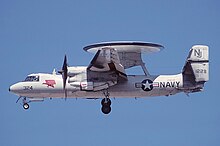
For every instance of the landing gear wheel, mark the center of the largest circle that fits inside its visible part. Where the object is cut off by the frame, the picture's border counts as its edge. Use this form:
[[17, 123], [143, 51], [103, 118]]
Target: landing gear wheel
[[106, 109], [106, 102], [26, 106]]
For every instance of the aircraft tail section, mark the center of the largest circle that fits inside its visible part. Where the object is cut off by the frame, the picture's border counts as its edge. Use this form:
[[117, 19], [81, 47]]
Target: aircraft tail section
[[196, 69]]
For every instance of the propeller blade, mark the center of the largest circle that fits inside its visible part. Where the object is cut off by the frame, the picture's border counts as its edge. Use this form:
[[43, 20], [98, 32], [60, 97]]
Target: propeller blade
[[64, 74]]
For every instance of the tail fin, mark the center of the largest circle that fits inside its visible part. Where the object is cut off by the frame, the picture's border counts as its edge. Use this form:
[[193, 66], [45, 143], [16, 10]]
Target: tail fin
[[196, 69]]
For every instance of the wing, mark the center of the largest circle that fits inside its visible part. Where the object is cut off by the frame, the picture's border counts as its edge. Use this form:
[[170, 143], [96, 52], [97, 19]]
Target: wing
[[129, 53], [107, 60]]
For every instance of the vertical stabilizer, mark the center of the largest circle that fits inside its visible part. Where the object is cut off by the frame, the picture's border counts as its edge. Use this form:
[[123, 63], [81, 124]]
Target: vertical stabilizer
[[196, 69]]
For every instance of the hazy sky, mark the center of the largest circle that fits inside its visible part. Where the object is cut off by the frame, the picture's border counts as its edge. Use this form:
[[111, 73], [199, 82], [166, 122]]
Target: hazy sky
[[35, 35]]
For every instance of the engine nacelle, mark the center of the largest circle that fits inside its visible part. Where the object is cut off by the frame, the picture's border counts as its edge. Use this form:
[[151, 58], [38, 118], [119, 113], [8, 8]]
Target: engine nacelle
[[92, 86], [72, 71]]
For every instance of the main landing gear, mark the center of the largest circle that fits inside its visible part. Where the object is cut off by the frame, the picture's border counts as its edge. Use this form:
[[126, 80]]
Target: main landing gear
[[106, 103]]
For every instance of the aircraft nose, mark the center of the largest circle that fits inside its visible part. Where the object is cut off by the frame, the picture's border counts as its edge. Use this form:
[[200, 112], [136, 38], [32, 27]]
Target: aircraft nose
[[11, 88], [14, 88]]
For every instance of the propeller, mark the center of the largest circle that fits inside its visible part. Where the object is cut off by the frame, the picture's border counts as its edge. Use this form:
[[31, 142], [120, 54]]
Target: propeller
[[63, 72]]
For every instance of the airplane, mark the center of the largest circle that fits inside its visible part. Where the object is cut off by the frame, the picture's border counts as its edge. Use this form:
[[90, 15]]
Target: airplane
[[105, 77]]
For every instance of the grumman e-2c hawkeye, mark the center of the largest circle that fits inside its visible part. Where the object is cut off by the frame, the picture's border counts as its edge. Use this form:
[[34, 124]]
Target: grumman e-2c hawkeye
[[105, 76]]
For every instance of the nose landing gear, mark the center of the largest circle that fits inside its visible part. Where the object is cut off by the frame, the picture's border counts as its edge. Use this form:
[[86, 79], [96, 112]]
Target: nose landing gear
[[26, 106], [25, 102]]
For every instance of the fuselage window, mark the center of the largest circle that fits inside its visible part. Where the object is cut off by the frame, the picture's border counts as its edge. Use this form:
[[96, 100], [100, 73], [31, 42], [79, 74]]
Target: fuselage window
[[32, 79]]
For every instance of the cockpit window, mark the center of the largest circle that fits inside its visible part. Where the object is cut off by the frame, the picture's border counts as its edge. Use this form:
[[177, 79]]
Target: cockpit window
[[32, 79]]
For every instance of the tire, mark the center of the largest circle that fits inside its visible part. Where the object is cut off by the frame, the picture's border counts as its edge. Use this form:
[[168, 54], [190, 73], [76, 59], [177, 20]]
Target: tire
[[26, 106], [104, 103], [106, 109]]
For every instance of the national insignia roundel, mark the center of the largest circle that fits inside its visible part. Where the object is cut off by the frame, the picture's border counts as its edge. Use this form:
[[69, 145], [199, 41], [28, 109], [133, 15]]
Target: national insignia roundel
[[147, 85]]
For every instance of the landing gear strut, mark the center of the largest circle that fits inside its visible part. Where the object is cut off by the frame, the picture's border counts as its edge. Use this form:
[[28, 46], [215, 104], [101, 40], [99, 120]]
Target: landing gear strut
[[106, 103], [25, 103]]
